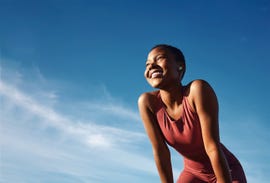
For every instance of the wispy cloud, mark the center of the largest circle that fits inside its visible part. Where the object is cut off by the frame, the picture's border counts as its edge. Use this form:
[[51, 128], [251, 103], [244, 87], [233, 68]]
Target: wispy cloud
[[89, 132], [35, 137]]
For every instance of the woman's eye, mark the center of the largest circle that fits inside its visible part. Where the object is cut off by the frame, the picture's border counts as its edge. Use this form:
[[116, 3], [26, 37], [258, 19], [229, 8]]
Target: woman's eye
[[160, 58]]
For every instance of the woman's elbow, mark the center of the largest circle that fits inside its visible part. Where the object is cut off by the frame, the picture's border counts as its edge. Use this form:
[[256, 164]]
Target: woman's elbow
[[213, 151]]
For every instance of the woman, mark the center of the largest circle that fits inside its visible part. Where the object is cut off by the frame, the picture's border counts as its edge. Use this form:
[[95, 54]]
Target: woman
[[186, 118]]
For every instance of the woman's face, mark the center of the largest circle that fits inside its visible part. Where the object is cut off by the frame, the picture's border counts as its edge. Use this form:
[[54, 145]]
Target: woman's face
[[161, 69]]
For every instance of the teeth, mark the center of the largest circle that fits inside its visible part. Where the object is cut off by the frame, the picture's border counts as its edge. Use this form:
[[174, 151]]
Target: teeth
[[156, 74]]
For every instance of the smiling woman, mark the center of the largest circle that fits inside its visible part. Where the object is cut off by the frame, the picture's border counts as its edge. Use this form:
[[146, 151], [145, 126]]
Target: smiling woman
[[156, 59], [186, 118]]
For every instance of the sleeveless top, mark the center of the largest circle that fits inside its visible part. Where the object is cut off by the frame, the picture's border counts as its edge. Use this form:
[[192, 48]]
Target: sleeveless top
[[185, 136]]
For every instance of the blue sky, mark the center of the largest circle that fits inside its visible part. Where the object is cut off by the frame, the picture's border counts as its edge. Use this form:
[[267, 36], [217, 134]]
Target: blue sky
[[71, 73]]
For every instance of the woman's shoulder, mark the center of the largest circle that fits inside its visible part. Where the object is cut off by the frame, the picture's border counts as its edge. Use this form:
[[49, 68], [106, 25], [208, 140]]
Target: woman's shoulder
[[198, 82], [196, 86], [148, 99]]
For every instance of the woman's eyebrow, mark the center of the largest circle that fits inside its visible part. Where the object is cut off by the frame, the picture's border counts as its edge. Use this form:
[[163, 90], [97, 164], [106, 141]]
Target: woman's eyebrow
[[155, 57], [158, 55], [147, 62]]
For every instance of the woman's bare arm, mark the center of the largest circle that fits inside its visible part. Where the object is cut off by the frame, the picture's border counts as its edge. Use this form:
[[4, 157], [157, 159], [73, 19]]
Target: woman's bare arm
[[206, 105], [160, 149]]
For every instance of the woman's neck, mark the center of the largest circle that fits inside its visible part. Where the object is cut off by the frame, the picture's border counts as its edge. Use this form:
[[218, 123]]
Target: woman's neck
[[173, 96]]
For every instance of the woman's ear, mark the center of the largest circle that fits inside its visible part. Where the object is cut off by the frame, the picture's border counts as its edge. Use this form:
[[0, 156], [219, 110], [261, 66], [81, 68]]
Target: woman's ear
[[181, 71]]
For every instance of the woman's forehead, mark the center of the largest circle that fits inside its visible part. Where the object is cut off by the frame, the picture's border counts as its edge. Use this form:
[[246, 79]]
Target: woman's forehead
[[157, 51]]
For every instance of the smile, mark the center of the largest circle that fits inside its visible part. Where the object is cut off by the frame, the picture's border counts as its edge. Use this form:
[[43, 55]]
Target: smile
[[156, 74]]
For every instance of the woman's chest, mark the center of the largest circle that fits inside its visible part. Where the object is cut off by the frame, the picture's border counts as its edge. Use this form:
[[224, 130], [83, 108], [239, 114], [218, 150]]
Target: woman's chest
[[182, 133]]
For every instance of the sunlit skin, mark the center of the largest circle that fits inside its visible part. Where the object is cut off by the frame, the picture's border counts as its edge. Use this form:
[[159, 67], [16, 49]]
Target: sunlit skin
[[167, 80], [161, 69], [162, 72]]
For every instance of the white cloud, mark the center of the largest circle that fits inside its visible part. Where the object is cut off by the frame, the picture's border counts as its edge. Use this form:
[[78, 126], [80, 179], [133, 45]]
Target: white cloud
[[35, 138], [95, 134], [116, 110]]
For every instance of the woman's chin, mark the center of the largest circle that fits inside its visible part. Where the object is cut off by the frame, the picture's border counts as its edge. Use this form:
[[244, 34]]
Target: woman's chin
[[156, 85]]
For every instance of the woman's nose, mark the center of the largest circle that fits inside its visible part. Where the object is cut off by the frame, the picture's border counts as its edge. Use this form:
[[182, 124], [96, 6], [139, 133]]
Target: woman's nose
[[153, 65]]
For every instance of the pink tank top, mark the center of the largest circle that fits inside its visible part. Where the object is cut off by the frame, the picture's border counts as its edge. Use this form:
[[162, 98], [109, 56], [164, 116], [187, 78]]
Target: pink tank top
[[185, 135]]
